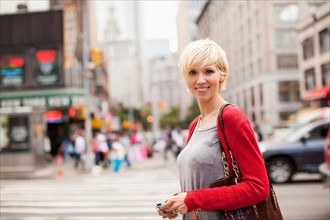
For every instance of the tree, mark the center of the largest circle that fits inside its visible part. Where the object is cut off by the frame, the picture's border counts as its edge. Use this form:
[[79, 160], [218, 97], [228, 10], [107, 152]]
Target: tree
[[193, 112], [170, 118]]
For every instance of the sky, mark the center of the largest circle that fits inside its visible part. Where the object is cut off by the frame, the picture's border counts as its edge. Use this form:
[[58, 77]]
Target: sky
[[159, 19]]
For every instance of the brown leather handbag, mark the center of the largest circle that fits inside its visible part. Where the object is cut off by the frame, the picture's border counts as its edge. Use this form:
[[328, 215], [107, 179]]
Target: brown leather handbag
[[266, 210]]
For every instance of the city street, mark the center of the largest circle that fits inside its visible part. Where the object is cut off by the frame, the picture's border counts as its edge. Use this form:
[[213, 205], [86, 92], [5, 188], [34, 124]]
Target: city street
[[132, 194]]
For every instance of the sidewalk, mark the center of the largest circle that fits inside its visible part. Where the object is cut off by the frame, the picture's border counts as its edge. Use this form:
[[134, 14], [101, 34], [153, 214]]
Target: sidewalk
[[155, 162], [51, 170]]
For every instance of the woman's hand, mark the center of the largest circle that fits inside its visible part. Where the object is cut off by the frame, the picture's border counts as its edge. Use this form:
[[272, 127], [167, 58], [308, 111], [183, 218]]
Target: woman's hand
[[174, 205], [166, 214]]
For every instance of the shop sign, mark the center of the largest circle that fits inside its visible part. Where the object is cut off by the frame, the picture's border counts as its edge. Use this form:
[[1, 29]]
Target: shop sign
[[12, 70], [53, 116], [47, 68], [42, 101]]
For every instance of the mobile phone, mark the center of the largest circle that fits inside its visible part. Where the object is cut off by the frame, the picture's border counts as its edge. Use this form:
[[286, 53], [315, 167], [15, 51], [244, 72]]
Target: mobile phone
[[159, 204]]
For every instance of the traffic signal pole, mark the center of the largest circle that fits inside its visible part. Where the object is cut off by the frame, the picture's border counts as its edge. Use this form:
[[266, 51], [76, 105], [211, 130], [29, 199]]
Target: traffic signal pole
[[88, 130]]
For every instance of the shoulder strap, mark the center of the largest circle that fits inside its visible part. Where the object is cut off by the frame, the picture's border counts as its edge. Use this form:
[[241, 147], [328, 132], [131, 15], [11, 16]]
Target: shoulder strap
[[225, 150], [222, 124]]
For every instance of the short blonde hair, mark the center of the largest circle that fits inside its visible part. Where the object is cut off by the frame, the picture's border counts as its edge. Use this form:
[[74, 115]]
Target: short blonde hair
[[204, 52]]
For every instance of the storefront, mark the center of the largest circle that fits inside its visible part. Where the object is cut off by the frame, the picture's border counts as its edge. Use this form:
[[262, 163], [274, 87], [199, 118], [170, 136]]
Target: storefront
[[26, 119]]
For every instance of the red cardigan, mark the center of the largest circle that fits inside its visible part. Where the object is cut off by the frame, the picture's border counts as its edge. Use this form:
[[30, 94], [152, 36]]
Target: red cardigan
[[254, 187]]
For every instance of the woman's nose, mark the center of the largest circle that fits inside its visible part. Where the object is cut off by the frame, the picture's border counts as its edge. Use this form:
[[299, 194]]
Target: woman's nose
[[201, 78]]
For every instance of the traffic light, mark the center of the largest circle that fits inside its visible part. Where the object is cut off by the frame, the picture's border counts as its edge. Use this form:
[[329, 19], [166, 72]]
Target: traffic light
[[161, 105], [150, 118], [96, 56]]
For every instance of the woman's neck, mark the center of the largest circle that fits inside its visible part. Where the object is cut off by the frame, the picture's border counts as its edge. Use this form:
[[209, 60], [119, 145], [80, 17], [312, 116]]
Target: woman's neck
[[209, 111]]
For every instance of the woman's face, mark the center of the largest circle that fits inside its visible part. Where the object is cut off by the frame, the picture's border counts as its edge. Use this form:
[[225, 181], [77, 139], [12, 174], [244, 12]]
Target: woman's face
[[203, 81]]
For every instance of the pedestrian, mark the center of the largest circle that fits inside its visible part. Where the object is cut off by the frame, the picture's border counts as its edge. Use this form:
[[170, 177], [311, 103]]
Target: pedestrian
[[47, 148], [124, 140], [266, 129], [79, 148], [169, 143], [102, 149], [67, 149], [178, 141], [117, 154], [204, 67]]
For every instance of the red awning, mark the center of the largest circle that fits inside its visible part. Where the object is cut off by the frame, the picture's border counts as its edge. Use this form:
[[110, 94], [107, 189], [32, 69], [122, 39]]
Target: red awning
[[318, 93]]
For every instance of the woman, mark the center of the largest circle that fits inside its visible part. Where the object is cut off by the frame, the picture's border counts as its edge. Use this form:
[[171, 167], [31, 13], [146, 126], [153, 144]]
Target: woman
[[204, 67]]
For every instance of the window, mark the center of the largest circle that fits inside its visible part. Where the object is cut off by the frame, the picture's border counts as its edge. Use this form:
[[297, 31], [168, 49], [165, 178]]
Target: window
[[14, 133], [313, 5], [289, 91], [325, 68], [261, 95], [319, 132], [284, 115], [310, 79], [251, 70], [287, 62], [308, 48], [286, 12], [324, 37], [286, 38]]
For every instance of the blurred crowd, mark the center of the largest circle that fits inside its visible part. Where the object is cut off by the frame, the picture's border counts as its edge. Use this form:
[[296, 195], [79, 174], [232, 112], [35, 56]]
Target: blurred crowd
[[114, 150]]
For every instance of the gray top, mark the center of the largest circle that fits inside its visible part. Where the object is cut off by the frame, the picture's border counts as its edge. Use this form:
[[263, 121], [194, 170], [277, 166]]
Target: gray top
[[200, 164]]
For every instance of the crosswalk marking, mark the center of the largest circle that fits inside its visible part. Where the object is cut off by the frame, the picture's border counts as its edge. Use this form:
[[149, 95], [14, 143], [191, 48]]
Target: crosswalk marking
[[129, 195]]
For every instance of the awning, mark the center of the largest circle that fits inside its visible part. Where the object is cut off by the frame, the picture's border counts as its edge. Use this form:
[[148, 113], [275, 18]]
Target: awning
[[318, 93]]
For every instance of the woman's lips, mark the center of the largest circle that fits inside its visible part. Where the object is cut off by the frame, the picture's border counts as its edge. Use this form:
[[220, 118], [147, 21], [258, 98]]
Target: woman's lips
[[202, 89]]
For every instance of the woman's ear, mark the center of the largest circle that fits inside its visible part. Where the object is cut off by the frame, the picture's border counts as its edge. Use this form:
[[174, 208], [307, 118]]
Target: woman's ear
[[222, 76]]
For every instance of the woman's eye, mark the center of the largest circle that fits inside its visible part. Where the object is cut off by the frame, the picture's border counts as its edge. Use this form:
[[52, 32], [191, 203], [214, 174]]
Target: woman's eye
[[209, 71], [191, 73]]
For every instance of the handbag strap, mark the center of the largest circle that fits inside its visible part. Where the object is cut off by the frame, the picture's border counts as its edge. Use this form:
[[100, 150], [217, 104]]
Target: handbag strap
[[226, 148], [234, 166]]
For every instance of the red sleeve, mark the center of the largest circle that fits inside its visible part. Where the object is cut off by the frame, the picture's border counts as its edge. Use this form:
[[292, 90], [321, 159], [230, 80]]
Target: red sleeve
[[254, 186], [192, 128]]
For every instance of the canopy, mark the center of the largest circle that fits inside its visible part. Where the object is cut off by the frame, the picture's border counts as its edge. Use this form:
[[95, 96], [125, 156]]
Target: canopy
[[318, 93]]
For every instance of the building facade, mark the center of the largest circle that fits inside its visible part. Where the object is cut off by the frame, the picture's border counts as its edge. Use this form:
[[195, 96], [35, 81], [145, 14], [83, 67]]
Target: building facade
[[261, 44], [314, 55], [124, 48], [164, 87], [187, 31], [42, 86]]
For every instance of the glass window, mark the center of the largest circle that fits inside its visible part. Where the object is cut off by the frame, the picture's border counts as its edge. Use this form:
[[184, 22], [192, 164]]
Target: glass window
[[310, 79], [287, 61], [308, 48], [319, 132], [14, 132], [261, 95], [286, 12], [286, 38], [289, 91], [325, 68], [313, 5], [324, 37], [284, 115]]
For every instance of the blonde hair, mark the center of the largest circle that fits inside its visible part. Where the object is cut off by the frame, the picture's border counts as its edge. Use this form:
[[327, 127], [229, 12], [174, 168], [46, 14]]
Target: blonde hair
[[204, 52]]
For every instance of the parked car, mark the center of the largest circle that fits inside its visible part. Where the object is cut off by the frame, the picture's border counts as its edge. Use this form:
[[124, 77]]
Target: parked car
[[325, 166], [302, 150]]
